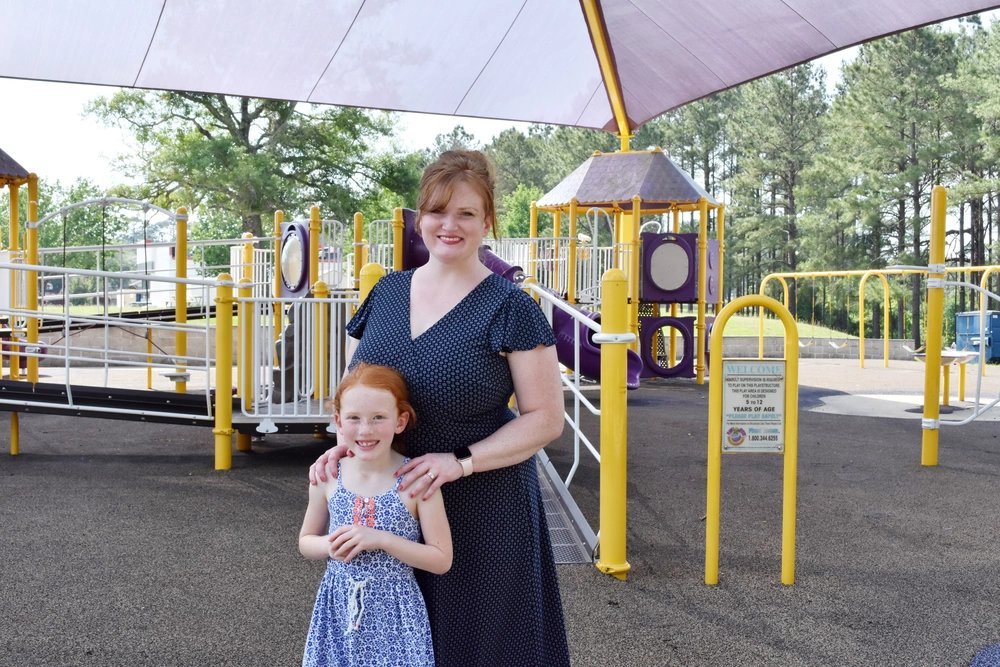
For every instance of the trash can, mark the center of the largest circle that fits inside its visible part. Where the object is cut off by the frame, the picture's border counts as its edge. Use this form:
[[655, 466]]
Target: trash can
[[967, 333]]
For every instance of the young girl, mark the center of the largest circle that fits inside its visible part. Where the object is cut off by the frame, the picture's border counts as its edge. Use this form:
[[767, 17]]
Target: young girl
[[369, 609]]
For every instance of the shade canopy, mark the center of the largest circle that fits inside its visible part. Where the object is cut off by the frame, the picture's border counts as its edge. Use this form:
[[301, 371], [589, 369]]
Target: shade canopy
[[610, 180], [606, 64]]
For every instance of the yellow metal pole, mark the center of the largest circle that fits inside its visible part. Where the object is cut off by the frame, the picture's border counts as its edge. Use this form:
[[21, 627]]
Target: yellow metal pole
[[702, 278], [616, 259], [614, 425], [277, 311], [245, 326], [32, 288], [885, 321], [983, 283], [555, 271], [760, 314], [224, 373], [861, 320], [633, 271], [15, 434], [314, 239], [370, 274], [571, 263], [359, 244], [397, 239], [721, 224], [180, 295], [961, 382], [321, 333], [605, 59], [714, 469], [935, 320], [533, 244]]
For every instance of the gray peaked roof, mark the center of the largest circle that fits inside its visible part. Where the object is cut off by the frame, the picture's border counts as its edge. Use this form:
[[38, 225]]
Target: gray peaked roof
[[608, 178], [10, 170], [525, 60]]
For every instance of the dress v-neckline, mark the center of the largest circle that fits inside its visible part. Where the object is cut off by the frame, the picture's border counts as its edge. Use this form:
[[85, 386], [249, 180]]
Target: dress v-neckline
[[409, 307]]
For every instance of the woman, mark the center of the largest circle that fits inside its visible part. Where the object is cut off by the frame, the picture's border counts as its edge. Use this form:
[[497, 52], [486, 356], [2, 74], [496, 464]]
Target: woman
[[466, 339]]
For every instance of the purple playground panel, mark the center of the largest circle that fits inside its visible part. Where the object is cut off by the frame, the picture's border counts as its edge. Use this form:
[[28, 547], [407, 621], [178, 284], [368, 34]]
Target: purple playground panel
[[565, 327], [648, 328], [684, 368], [670, 268]]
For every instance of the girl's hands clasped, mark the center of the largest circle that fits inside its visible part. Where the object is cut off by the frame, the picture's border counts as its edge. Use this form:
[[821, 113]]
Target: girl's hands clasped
[[347, 541], [426, 474]]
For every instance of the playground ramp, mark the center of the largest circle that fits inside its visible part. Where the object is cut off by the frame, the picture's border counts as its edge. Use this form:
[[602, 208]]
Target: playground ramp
[[143, 405]]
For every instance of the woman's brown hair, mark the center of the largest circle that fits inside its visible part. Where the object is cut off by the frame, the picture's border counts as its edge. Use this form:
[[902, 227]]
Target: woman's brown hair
[[470, 167]]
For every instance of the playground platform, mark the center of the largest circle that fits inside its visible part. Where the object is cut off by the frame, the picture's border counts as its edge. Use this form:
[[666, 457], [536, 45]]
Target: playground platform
[[120, 544]]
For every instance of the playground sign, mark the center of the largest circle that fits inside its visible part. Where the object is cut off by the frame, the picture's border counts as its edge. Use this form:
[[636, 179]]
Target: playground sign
[[753, 405]]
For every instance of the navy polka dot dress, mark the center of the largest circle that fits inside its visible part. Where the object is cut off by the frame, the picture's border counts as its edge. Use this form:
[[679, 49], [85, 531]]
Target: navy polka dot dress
[[499, 604]]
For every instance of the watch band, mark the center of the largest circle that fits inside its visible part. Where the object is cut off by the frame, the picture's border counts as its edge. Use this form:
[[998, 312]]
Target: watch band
[[464, 456]]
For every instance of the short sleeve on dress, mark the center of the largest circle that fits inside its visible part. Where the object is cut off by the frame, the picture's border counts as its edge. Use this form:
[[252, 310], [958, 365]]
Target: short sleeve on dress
[[520, 325], [356, 327]]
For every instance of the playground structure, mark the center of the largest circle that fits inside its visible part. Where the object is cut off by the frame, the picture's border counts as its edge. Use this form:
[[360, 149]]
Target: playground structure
[[281, 302], [275, 367], [615, 190], [290, 296]]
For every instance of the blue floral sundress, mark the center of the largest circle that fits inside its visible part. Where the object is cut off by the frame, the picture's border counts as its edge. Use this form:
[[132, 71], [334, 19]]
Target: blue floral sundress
[[370, 612]]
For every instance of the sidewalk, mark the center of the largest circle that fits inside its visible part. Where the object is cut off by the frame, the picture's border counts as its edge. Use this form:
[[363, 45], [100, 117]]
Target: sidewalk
[[122, 546]]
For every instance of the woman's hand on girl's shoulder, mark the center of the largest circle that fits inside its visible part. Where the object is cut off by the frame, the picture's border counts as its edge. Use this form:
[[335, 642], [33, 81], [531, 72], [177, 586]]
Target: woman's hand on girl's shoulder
[[326, 465], [426, 474]]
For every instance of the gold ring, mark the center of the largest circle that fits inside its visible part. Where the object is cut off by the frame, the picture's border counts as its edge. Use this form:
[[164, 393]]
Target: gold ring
[[431, 475]]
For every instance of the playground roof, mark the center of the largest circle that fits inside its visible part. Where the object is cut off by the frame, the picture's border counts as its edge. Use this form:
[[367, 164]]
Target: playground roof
[[589, 63], [10, 170], [612, 179]]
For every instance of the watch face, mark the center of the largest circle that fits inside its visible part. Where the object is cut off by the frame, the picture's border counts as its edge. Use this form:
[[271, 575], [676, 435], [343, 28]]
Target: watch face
[[463, 453]]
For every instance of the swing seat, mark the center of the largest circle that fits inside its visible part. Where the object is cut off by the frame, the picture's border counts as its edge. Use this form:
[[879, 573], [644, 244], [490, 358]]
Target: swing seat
[[809, 344], [838, 347]]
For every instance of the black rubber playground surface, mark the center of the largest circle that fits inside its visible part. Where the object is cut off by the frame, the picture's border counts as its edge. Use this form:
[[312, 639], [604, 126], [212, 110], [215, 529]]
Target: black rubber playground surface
[[119, 545]]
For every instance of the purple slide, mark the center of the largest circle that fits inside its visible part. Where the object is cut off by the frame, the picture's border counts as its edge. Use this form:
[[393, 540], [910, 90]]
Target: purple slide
[[566, 328]]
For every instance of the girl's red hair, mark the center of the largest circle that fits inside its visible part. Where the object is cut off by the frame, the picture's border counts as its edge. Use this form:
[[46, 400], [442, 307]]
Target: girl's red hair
[[384, 378]]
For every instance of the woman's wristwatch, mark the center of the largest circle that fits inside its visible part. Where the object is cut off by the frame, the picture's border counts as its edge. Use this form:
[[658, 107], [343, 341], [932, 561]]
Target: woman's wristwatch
[[464, 456]]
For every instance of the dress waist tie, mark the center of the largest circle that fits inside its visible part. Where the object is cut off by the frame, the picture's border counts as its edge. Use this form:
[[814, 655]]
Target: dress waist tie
[[355, 604]]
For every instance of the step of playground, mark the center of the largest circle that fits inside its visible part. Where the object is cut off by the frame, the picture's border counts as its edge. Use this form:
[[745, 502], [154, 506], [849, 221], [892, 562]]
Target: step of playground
[[573, 541]]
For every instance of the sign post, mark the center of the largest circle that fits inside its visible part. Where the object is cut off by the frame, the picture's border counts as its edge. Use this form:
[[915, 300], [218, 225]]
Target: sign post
[[753, 407]]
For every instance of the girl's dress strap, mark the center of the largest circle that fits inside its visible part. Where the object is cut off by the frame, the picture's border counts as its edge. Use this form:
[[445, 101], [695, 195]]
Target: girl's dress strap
[[406, 459]]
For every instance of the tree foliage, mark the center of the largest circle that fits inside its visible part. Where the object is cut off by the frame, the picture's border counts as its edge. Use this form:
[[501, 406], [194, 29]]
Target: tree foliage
[[249, 156]]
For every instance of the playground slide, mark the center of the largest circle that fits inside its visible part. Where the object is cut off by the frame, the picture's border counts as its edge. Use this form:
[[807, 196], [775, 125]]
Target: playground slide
[[567, 329]]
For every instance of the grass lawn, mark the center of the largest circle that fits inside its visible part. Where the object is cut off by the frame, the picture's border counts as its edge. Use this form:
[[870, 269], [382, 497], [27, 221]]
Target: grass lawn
[[748, 325]]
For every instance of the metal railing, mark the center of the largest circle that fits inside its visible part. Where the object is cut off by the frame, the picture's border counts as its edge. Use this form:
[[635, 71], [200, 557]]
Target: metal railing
[[85, 342], [289, 375]]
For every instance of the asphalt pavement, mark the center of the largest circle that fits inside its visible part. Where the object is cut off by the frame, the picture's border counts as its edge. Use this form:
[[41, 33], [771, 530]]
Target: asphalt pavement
[[119, 545]]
